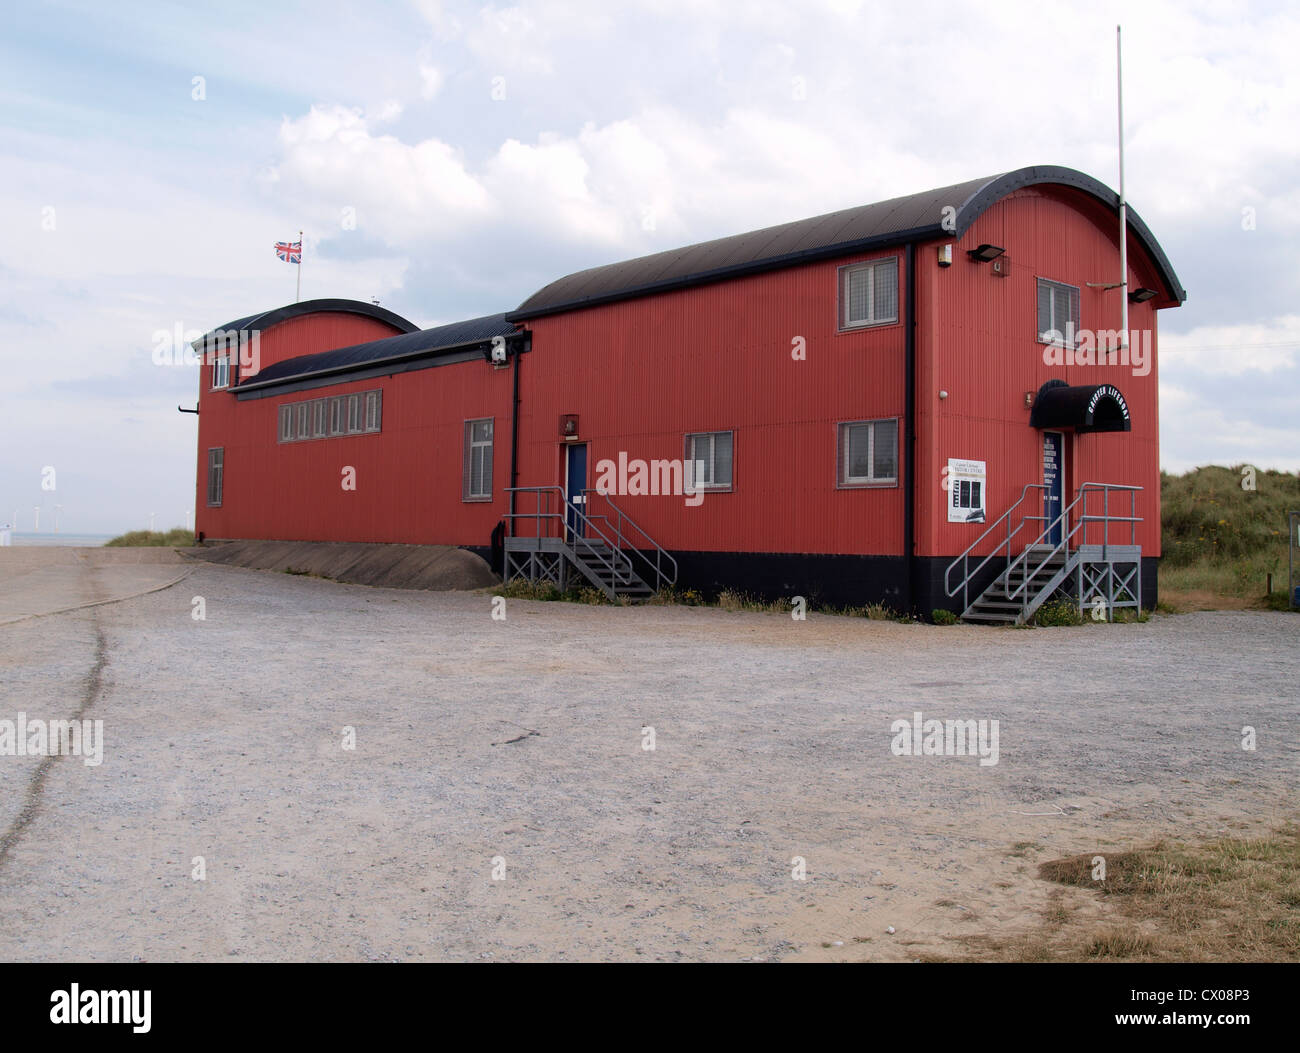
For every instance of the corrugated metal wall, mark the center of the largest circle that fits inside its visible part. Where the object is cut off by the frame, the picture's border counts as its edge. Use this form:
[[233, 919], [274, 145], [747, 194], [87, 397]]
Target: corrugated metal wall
[[977, 339], [408, 475], [321, 331], [642, 373]]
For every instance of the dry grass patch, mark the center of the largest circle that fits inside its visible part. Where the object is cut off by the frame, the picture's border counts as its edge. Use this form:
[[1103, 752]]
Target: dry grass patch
[[1226, 900]]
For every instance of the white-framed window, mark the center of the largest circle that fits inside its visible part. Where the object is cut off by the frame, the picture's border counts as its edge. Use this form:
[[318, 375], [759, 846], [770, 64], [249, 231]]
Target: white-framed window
[[354, 414], [302, 425], [1058, 312], [868, 453], [709, 460], [336, 416], [216, 473], [286, 423], [476, 484], [320, 418], [869, 293], [221, 372], [373, 407]]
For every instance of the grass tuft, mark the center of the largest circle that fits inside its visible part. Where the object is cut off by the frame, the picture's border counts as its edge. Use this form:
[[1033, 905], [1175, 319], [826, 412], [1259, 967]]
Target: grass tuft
[[177, 537], [1226, 900]]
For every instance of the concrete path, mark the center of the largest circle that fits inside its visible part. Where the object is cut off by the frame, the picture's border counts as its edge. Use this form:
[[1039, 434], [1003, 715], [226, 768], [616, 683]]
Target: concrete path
[[39, 579]]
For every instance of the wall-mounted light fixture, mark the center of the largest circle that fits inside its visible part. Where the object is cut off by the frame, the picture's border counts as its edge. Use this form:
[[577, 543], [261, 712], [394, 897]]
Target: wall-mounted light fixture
[[943, 394], [1029, 400], [986, 252], [1141, 295], [945, 255]]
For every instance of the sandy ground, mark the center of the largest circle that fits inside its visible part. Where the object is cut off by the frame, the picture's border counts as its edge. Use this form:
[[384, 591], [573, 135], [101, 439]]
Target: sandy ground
[[518, 744]]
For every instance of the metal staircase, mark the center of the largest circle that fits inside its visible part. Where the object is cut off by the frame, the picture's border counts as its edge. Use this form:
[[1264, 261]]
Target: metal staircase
[[597, 542], [1072, 554]]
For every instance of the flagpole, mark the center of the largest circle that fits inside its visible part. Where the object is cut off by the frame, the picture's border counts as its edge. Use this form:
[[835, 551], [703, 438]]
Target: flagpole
[[297, 296], [1123, 207]]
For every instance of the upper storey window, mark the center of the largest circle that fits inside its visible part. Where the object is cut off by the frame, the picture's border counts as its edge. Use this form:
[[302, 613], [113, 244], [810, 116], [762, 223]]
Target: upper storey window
[[1058, 312], [869, 293]]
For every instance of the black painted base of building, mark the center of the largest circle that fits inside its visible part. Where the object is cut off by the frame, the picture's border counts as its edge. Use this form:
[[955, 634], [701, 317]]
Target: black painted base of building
[[850, 581], [828, 580]]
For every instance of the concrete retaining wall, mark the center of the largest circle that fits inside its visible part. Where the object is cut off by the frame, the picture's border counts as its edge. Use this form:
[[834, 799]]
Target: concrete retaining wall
[[436, 567]]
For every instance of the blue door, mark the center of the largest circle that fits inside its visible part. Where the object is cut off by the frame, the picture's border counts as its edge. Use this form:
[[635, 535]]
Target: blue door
[[1053, 483], [574, 485]]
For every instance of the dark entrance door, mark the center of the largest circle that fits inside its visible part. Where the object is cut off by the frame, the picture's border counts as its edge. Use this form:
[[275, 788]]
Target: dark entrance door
[[1054, 484], [574, 485]]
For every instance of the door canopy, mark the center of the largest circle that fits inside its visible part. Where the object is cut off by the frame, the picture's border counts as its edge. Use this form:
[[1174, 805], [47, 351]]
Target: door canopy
[[1083, 407]]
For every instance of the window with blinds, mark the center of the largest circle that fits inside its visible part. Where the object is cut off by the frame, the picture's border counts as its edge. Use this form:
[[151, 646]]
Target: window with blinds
[[709, 460], [1058, 312], [868, 453], [216, 472], [476, 483], [869, 293], [358, 414]]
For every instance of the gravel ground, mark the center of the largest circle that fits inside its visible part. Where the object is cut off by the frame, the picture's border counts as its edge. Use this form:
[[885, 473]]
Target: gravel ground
[[518, 744]]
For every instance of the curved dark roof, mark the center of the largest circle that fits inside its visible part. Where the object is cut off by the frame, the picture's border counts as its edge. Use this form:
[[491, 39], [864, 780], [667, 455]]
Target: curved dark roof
[[266, 319], [377, 352], [916, 217]]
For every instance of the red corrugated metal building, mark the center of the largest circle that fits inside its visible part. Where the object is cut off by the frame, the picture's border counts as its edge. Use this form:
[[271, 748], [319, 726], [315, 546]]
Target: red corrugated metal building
[[924, 402]]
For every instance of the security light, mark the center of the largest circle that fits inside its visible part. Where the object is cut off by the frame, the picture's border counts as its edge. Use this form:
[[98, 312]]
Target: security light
[[1141, 295], [985, 253]]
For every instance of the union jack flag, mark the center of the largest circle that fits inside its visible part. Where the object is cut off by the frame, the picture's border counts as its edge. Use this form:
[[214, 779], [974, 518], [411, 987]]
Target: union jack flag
[[289, 251]]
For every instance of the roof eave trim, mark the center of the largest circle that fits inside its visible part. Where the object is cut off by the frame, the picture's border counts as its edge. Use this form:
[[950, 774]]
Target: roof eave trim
[[371, 363], [328, 305], [1000, 186], [773, 263]]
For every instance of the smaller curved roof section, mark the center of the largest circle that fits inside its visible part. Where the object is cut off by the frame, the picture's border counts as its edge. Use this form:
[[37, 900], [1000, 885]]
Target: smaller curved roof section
[[916, 217], [266, 319], [1083, 407], [377, 352]]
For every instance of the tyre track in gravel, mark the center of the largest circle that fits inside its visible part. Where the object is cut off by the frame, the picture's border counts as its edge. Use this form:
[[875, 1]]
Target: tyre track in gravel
[[92, 685]]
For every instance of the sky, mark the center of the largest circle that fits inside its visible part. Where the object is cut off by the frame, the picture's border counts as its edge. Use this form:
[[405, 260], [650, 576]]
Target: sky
[[450, 159]]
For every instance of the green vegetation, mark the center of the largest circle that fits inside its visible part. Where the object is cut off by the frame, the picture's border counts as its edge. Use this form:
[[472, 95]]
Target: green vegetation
[[520, 589], [174, 538], [1058, 612], [941, 616], [1221, 540]]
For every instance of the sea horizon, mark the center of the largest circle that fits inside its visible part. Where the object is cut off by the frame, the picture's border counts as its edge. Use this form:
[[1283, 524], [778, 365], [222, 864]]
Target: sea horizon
[[27, 537]]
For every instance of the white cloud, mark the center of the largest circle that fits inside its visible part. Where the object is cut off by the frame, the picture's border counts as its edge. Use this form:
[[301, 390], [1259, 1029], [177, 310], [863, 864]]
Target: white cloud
[[679, 112], [430, 81], [330, 160], [1231, 350]]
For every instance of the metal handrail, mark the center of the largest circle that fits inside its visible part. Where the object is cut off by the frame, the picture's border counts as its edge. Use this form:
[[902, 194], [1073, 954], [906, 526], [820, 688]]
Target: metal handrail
[[964, 558], [661, 554], [1081, 522], [621, 574]]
